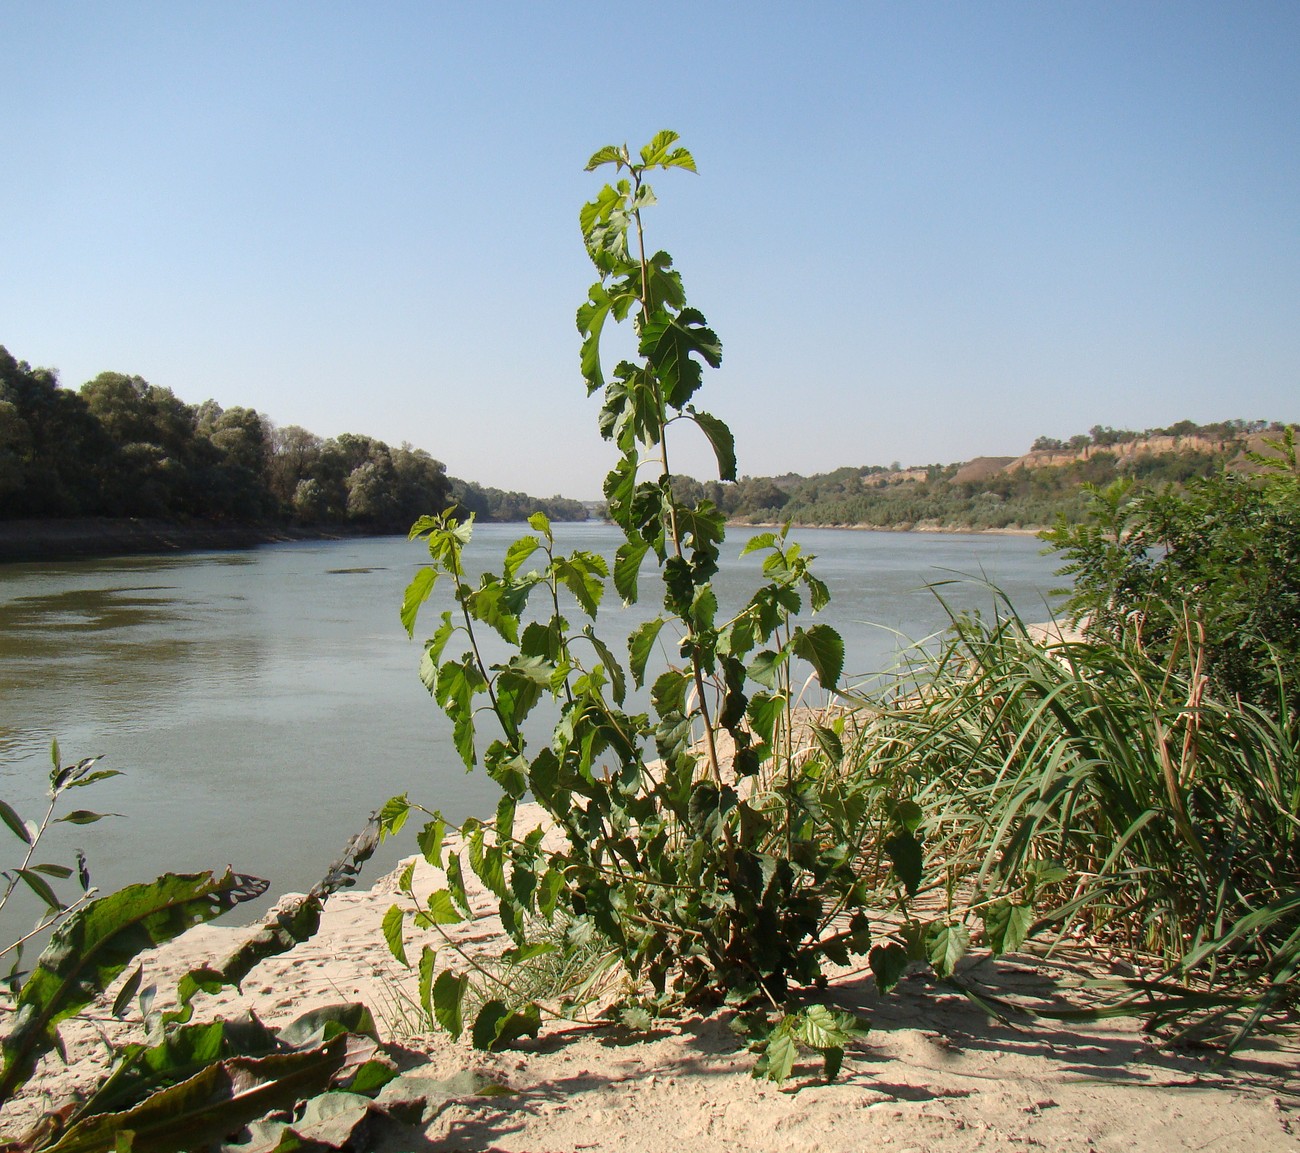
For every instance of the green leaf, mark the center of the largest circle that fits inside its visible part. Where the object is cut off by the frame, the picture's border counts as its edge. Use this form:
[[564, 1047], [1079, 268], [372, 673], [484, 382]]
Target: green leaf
[[610, 154], [668, 694], [491, 603], [832, 1062], [888, 963], [724, 443], [765, 666], [906, 815], [97, 942], [442, 910], [670, 343], [519, 552], [219, 1100], [627, 565], [946, 945], [822, 647], [91, 778], [417, 592], [449, 1001], [820, 1027], [41, 887], [488, 863], [62, 872], [15, 823], [430, 840], [84, 817], [777, 1061], [659, 153], [582, 574], [496, 1027], [456, 879], [612, 668], [904, 850], [1006, 926], [393, 924], [640, 644], [127, 992], [428, 957], [829, 740], [393, 815]]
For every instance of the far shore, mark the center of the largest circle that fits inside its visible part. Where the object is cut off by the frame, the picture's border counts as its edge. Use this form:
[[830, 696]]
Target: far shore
[[85, 538]]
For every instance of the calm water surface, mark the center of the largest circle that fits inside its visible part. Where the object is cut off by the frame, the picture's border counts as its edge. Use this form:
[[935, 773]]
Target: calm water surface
[[261, 704]]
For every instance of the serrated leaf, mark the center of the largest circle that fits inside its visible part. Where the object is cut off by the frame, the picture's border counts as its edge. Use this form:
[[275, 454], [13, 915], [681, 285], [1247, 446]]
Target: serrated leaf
[[765, 666], [610, 154], [496, 1027], [428, 958], [393, 815], [946, 945], [779, 1055], [670, 343], [723, 442], [442, 909], [449, 1001], [430, 840], [640, 644], [393, 924], [832, 1062], [823, 648], [907, 815], [1006, 926], [904, 850], [627, 566], [888, 963], [618, 682], [830, 742], [417, 592]]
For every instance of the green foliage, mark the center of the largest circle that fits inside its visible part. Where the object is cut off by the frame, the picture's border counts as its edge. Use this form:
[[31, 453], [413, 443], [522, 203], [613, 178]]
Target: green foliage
[[39, 876], [709, 850], [122, 447], [1089, 789], [187, 1085], [96, 944], [1206, 577]]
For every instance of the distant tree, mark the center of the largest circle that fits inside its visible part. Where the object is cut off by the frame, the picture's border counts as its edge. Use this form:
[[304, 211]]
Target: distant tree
[[293, 453], [51, 439]]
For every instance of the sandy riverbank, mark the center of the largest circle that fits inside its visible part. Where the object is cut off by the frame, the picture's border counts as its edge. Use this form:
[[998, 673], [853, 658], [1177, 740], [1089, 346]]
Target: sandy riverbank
[[934, 1074]]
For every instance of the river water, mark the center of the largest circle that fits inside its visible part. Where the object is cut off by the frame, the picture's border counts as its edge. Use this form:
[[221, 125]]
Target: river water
[[261, 704]]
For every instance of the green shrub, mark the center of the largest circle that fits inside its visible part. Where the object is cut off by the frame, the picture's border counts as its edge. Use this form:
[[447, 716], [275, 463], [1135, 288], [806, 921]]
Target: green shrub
[[1119, 796], [719, 860], [1207, 577]]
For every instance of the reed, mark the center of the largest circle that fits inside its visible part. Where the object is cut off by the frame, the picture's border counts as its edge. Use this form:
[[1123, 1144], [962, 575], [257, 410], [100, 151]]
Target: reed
[[1163, 816]]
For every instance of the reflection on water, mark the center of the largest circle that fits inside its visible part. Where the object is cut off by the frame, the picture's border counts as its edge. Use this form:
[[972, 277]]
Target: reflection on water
[[262, 704]]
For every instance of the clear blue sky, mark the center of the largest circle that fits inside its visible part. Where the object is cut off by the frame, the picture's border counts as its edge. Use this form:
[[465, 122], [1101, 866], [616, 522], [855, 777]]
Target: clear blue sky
[[923, 231]]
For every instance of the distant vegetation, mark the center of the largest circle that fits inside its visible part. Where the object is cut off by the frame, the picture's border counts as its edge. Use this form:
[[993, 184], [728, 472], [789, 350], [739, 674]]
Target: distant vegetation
[[993, 493], [122, 447]]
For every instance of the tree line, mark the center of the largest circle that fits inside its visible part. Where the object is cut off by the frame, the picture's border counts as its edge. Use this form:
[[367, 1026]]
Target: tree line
[[122, 447], [937, 498]]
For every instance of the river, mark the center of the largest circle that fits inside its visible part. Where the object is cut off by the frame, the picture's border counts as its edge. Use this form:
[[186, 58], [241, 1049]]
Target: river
[[260, 704]]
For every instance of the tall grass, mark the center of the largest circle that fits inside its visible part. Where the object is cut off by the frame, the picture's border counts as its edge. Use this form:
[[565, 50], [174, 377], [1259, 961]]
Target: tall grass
[[1172, 813]]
